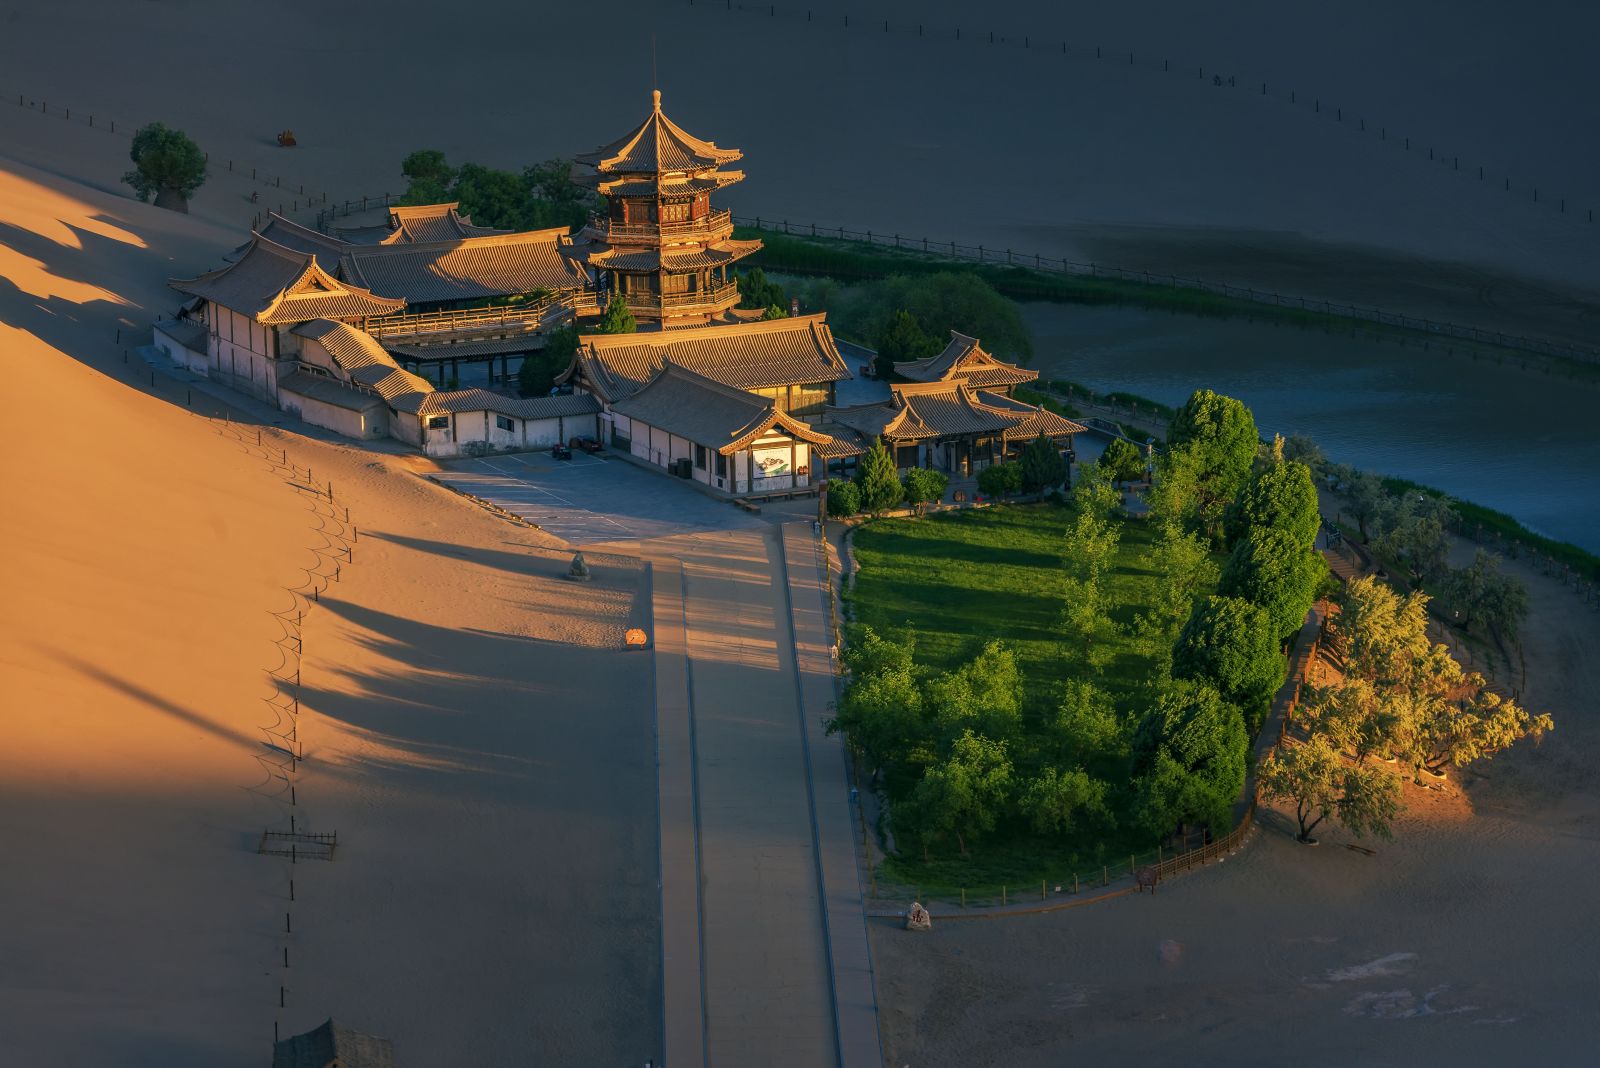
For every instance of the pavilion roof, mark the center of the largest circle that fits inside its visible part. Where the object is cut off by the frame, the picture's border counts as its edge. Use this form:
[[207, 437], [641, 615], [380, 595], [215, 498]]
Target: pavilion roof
[[630, 185], [709, 413], [467, 269], [717, 254], [421, 223], [658, 145], [274, 284], [919, 411], [964, 360], [290, 234], [776, 352]]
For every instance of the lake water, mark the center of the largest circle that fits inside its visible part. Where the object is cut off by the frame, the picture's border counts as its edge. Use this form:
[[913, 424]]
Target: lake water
[[1521, 441]]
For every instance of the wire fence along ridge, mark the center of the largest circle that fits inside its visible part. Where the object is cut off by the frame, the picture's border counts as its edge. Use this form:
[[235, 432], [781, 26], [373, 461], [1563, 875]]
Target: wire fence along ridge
[[957, 252], [1311, 105]]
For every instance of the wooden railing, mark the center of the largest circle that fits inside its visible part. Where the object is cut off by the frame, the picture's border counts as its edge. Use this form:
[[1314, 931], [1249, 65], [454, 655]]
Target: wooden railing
[[717, 220], [527, 315]]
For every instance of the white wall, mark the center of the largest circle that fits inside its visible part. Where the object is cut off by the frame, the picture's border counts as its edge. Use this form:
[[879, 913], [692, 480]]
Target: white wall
[[360, 425], [181, 356]]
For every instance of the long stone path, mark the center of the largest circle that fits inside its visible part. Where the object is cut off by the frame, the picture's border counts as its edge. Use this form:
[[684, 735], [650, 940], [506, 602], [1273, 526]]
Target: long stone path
[[764, 941]]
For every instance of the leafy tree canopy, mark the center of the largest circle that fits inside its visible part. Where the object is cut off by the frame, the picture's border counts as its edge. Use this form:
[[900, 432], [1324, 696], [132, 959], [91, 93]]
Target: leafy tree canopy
[[1482, 593], [758, 291], [1000, 480], [166, 165], [1230, 644], [539, 369], [1269, 569], [1042, 465], [881, 488], [899, 340], [539, 197], [1281, 496], [924, 485], [984, 695], [1057, 802], [617, 318], [940, 303], [1321, 784], [1189, 753], [965, 794], [1212, 445], [844, 498], [1122, 460]]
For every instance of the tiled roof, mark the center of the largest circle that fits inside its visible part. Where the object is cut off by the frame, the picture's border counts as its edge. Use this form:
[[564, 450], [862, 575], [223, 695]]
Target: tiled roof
[[328, 391], [707, 412], [656, 145], [654, 259], [274, 284], [652, 186], [359, 355], [364, 235], [432, 223], [964, 360], [481, 400], [290, 234], [190, 333], [468, 269], [777, 352], [920, 411], [462, 350]]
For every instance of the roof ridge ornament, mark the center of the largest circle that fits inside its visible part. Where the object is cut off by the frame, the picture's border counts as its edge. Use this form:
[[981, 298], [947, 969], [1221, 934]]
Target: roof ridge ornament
[[655, 100]]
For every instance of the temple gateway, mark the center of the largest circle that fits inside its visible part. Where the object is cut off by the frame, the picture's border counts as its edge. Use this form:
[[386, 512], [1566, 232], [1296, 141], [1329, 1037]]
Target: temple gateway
[[414, 327]]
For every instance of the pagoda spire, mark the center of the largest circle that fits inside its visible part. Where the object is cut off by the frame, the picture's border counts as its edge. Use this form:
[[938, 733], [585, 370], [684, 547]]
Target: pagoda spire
[[659, 243]]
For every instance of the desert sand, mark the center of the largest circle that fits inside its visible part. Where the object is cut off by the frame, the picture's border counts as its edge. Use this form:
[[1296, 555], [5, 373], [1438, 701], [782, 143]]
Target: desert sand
[[471, 726]]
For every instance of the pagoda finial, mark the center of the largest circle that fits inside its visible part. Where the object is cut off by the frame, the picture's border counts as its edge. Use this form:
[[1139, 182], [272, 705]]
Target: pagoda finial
[[655, 98]]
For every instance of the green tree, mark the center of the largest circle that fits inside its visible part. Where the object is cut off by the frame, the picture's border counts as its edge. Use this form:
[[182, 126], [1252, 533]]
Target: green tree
[[844, 498], [555, 198], [166, 165], [1280, 496], [1042, 465], [901, 339], [1189, 759], [880, 711], [1414, 533], [617, 318], [774, 311], [1084, 727], [1269, 569], [1353, 715], [1365, 497], [999, 481], [1087, 631], [1095, 494], [539, 369], [493, 197], [1303, 449], [1230, 644], [1482, 593], [939, 302], [1123, 460], [965, 794], [881, 488], [1219, 433], [757, 291], [1184, 572], [984, 694], [1060, 802], [924, 485], [428, 177], [1382, 636], [1311, 774]]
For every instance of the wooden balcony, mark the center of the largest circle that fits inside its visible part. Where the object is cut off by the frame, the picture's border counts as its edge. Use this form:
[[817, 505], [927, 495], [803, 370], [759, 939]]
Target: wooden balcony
[[650, 233], [718, 298]]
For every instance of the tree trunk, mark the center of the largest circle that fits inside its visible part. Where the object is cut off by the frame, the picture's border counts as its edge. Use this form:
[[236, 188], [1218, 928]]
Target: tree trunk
[[168, 197]]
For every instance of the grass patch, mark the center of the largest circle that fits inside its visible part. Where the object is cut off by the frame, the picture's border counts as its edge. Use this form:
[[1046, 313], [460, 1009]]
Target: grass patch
[[952, 582]]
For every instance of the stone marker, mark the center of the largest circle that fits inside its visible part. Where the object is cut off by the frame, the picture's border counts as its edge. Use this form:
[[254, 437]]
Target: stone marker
[[579, 571], [917, 919]]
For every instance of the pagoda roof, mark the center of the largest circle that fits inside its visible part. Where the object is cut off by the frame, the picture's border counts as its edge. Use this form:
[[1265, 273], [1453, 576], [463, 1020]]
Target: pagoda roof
[[680, 258], [775, 352], [629, 185], [467, 269], [919, 411], [964, 360], [658, 145], [707, 412], [273, 284]]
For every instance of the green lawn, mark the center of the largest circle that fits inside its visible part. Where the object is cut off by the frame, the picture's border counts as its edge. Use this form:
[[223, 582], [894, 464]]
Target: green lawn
[[954, 581]]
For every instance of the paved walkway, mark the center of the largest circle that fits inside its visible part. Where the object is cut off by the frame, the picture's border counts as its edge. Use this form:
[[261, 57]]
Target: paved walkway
[[765, 954]]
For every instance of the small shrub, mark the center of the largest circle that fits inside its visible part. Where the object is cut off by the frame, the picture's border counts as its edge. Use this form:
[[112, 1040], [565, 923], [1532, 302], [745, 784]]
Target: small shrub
[[844, 498]]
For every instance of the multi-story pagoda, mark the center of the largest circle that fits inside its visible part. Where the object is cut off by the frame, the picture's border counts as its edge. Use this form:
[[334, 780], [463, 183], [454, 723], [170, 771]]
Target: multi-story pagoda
[[659, 243]]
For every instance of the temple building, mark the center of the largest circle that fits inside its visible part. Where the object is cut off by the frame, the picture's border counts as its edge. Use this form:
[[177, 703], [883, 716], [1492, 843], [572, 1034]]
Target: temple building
[[947, 425], [367, 330], [659, 243], [965, 362]]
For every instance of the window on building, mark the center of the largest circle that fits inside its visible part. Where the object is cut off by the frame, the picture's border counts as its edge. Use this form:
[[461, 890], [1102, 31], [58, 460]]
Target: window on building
[[438, 422], [700, 457], [722, 466], [503, 422]]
